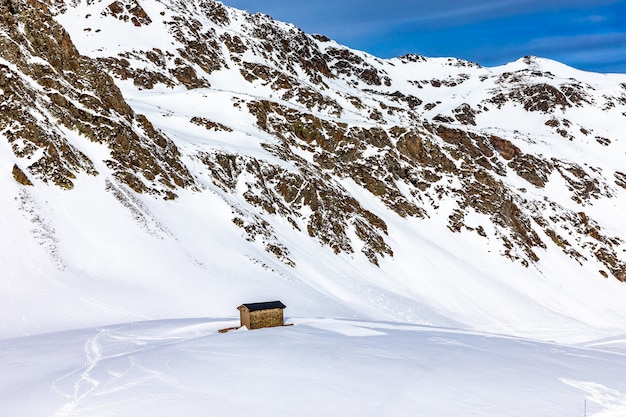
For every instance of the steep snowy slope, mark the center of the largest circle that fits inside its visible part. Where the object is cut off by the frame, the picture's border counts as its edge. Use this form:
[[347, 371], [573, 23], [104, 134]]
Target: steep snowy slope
[[184, 157]]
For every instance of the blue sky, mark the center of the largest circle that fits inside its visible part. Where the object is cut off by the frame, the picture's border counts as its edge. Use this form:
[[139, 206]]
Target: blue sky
[[586, 34]]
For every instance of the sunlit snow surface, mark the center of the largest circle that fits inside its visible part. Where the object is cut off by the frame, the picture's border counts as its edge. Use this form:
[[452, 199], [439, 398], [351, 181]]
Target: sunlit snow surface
[[315, 367]]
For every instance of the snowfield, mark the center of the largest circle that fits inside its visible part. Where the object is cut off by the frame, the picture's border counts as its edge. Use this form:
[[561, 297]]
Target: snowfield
[[315, 367]]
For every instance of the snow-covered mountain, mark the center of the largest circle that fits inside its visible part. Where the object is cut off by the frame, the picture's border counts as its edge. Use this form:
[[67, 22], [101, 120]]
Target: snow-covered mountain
[[167, 159]]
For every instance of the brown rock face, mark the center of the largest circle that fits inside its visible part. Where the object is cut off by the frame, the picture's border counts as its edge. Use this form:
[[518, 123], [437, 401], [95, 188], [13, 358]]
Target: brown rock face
[[128, 10], [73, 94], [20, 177]]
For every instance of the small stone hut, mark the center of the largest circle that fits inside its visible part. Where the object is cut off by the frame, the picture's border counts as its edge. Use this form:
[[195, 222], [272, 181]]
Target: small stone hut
[[259, 315]]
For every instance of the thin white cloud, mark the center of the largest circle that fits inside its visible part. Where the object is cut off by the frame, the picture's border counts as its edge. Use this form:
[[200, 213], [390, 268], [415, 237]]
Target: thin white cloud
[[579, 42], [592, 19]]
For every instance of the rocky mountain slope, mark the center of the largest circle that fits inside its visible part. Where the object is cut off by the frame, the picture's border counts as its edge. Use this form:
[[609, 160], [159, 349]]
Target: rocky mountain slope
[[431, 190]]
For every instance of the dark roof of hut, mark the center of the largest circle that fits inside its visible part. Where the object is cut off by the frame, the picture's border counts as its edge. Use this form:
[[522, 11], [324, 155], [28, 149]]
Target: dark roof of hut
[[263, 306]]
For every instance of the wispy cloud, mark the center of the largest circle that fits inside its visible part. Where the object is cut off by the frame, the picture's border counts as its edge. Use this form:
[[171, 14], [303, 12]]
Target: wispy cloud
[[592, 19]]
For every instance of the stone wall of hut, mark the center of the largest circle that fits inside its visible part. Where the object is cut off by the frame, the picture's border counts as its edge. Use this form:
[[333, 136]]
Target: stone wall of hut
[[266, 318]]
